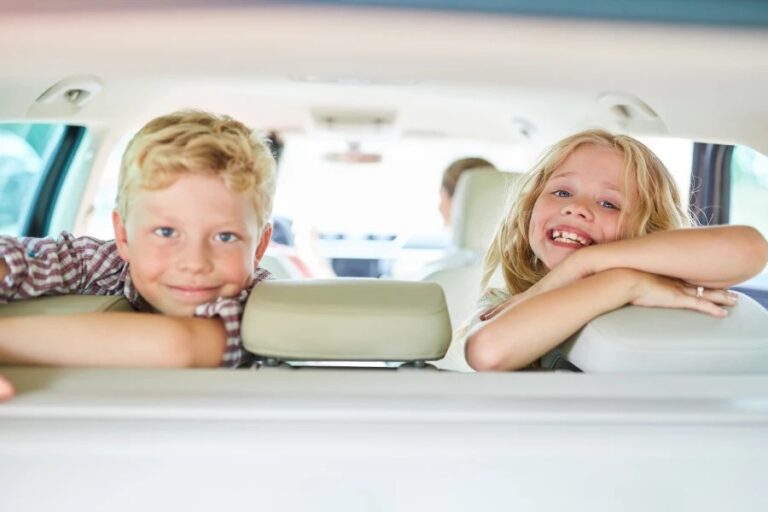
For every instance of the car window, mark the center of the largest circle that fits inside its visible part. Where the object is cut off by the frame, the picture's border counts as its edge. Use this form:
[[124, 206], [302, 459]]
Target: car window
[[677, 156], [373, 204], [25, 152], [98, 220], [748, 190]]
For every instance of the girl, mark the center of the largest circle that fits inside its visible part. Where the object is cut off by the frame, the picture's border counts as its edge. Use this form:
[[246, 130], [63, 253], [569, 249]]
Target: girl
[[599, 224]]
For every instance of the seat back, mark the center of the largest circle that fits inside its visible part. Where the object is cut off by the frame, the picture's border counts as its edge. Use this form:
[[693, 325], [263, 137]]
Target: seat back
[[478, 205], [346, 320]]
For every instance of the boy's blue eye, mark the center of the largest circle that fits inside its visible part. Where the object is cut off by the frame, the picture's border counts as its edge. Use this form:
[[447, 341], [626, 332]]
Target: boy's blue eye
[[561, 193], [609, 205], [227, 237], [165, 232]]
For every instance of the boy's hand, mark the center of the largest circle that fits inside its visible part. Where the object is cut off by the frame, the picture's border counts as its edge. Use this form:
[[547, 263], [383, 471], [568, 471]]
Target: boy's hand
[[653, 290], [6, 389]]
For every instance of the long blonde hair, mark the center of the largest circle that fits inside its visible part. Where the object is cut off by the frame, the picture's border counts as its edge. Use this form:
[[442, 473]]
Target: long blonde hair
[[658, 205]]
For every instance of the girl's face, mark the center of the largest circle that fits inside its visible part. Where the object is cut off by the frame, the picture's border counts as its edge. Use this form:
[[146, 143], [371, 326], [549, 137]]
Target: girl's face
[[580, 205]]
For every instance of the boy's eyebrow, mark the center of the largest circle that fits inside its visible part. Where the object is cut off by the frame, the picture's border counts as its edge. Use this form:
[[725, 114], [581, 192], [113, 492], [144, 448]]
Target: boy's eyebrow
[[162, 214]]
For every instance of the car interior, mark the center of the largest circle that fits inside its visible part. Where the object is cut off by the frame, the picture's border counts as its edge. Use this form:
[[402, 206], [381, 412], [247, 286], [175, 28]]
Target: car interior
[[368, 102]]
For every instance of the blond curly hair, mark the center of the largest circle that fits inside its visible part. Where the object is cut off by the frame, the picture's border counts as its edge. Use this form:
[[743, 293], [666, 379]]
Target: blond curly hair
[[200, 143]]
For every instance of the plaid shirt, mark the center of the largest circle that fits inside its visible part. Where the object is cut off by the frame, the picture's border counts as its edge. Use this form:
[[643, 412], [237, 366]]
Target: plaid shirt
[[88, 266]]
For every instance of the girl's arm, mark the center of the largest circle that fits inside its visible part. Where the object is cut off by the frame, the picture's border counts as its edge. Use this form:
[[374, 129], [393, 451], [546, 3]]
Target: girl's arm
[[112, 339], [527, 329], [713, 257]]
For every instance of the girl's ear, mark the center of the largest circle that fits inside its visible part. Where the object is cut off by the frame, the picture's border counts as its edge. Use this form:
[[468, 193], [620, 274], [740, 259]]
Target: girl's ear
[[121, 235], [266, 236]]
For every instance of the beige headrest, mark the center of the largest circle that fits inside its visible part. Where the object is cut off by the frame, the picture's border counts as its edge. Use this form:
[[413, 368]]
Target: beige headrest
[[478, 205], [347, 320], [65, 305], [634, 339]]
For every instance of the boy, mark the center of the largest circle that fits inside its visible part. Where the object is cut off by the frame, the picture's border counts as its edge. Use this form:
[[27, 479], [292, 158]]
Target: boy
[[195, 192]]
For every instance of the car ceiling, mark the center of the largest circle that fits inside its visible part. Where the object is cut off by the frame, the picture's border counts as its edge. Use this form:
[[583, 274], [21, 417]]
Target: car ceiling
[[445, 73]]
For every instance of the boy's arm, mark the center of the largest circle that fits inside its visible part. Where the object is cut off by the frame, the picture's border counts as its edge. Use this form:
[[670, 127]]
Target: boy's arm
[[112, 339], [713, 257], [527, 329], [43, 266]]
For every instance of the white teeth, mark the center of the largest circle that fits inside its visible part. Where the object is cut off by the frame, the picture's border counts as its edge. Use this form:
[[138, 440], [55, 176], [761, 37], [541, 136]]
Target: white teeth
[[568, 237]]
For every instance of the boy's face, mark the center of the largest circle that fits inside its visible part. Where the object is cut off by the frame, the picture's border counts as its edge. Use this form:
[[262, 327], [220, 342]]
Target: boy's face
[[580, 205], [190, 243]]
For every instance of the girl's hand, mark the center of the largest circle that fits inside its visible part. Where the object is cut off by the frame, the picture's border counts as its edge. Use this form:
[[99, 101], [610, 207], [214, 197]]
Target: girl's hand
[[501, 306], [665, 292], [571, 269]]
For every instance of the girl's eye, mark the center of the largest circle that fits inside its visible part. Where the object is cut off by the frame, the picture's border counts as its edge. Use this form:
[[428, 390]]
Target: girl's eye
[[165, 232], [227, 237], [561, 193], [609, 205]]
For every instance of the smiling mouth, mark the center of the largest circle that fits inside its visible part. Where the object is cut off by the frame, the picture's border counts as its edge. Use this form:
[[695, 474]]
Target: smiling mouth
[[193, 291], [571, 238]]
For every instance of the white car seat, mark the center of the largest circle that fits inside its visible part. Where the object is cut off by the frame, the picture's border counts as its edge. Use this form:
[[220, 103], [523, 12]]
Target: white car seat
[[634, 339], [478, 205], [346, 320]]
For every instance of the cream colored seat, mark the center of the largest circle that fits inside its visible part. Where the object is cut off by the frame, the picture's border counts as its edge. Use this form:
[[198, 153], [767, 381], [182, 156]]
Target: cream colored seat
[[478, 205], [634, 339], [279, 267], [346, 320], [65, 305]]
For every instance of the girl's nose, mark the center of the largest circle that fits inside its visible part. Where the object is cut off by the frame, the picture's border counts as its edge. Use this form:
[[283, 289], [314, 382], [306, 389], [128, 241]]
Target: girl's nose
[[578, 208]]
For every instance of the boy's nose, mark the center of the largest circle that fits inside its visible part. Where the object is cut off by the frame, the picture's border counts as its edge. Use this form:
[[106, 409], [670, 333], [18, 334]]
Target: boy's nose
[[194, 258]]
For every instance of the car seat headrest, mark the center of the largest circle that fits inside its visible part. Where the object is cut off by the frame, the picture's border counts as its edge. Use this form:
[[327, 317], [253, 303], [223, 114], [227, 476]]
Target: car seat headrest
[[478, 205], [347, 320], [635, 339]]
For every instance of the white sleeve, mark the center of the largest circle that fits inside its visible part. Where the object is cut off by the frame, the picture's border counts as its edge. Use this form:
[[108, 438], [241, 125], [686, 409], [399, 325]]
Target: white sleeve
[[455, 358]]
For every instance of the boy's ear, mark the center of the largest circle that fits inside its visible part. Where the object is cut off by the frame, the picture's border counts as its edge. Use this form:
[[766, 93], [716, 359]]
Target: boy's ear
[[266, 236], [121, 235]]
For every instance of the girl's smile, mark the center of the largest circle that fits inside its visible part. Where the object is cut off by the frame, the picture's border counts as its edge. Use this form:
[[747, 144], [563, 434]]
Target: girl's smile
[[567, 236]]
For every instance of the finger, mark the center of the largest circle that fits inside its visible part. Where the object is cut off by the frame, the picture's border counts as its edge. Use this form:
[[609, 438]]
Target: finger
[[716, 295], [498, 308], [704, 305], [721, 297]]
